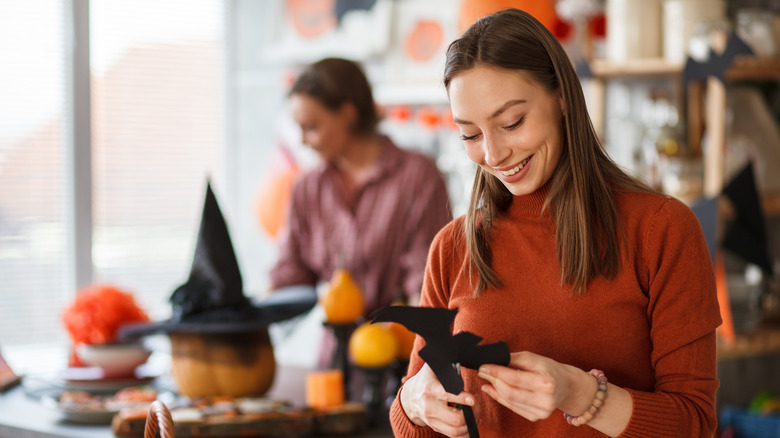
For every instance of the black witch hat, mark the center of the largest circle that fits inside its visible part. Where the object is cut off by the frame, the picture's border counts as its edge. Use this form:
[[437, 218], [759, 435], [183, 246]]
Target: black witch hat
[[212, 299]]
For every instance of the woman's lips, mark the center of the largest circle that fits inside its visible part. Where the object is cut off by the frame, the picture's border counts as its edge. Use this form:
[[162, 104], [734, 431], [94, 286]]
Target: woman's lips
[[518, 172]]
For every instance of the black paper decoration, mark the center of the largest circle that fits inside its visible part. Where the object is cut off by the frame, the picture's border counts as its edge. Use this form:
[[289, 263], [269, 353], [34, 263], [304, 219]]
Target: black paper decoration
[[443, 351], [746, 235], [716, 65]]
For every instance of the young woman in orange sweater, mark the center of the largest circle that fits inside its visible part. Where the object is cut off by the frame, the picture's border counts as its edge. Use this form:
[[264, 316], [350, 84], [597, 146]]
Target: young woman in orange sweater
[[574, 264]]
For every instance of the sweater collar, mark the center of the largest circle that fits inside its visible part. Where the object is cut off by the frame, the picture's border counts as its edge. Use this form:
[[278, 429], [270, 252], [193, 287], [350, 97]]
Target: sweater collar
[[529, 205]]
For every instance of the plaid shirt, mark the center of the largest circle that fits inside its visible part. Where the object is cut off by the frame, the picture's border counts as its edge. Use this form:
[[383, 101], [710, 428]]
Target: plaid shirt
[[382, 238]]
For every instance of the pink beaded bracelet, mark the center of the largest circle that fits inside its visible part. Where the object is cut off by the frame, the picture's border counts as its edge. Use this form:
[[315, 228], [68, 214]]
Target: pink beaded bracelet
[[595, 405]]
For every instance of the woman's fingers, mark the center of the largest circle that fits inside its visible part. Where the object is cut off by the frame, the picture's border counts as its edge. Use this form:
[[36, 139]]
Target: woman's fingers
[[450, 423], [529, 411], [522, 386], [442, 413], [527, 385], [427, 403]]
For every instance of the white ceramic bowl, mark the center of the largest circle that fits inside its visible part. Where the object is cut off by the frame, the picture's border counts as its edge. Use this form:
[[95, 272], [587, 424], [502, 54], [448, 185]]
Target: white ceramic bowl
[[116, 360]]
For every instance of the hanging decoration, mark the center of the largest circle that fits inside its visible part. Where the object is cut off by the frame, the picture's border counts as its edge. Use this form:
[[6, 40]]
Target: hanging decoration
[[472, 10], [275, 195]]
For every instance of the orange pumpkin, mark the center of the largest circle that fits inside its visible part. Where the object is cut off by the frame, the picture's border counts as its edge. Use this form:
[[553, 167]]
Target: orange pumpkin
[[373, 345], [222, 364], [343, 302], [405, 339]]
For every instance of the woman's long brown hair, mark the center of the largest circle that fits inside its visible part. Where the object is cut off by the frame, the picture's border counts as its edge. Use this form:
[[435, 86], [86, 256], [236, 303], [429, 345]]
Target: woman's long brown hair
[[581, 198]]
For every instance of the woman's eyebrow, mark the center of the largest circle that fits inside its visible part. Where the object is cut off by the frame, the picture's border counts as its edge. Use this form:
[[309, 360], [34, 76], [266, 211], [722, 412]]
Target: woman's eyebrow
[[495, 114], [505, 107]]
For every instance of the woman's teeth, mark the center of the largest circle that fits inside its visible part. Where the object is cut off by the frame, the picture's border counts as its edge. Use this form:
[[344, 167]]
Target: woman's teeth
[[517, 168]]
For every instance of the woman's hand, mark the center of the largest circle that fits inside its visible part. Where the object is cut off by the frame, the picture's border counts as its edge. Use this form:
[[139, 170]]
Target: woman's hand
[[534, 386], [426, 403]]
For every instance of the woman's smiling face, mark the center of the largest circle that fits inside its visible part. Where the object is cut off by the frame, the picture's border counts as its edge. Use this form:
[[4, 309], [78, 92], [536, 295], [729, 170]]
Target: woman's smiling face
[[509, 124], [324, 130]]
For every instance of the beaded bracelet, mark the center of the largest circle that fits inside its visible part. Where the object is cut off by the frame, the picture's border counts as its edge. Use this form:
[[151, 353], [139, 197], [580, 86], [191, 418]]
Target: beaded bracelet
[[595, 405]]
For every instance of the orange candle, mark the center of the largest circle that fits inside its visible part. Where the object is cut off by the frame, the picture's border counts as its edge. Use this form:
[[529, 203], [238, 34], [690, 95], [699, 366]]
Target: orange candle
[[324, 389]]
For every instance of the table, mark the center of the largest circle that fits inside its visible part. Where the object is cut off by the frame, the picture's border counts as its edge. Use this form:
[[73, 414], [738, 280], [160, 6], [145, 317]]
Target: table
[[22, 416]]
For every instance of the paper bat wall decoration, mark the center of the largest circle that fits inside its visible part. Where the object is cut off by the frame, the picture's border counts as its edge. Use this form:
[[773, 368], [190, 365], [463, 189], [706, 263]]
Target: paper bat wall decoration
[[716, 64], [443, 351], [746, 235]]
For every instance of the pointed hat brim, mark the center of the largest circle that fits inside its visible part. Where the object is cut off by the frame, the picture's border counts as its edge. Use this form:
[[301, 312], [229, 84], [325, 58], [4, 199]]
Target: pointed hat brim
[[283, 304]]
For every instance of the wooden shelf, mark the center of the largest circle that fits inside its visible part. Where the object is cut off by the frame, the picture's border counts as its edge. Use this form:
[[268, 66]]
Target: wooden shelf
[[763, 340], [744, 68], [602, 68], [749, 68]]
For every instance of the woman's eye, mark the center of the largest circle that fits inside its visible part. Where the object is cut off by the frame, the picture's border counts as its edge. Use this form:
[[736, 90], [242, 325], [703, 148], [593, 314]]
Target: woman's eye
[[468, 137], [516, 124]]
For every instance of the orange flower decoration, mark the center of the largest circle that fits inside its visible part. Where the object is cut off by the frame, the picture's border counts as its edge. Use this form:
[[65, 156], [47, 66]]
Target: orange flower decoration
[[97, 313]]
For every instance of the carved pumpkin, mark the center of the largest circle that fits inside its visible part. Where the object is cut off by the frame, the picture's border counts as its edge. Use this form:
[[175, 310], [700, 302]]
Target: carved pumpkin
[[222, 364]]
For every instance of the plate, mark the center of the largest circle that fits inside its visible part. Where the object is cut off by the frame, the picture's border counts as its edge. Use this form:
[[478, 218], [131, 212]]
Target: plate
[[79, 415], [91, 379]]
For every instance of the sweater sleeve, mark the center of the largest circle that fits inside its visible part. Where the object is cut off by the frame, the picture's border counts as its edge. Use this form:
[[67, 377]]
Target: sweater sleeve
[[434, 294], [683, 312]]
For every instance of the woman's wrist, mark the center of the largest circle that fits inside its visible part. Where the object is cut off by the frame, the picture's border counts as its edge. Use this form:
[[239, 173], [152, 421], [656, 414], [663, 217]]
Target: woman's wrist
[[595, 404], [582, 387]]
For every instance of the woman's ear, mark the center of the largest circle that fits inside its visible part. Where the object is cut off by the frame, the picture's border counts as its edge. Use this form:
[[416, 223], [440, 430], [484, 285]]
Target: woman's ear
[[563, 106], [349, 112]]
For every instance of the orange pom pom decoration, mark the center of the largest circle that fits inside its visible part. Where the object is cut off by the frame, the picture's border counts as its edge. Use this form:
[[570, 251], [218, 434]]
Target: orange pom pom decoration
[[97, 313]]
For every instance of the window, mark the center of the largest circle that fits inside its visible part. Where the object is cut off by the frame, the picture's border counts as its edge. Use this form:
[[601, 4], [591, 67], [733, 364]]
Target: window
[[32, 149], [157, 135]]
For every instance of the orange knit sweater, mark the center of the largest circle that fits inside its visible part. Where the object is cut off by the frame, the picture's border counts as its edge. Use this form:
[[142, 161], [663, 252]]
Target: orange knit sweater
[[651, 329]]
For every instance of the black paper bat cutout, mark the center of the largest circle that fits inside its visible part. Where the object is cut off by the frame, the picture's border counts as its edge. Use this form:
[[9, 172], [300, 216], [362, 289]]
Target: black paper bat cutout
[[443, 351], [716, 64]]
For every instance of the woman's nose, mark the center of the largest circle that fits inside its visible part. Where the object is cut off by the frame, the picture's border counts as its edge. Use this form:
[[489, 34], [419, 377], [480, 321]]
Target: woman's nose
[[495, 151]]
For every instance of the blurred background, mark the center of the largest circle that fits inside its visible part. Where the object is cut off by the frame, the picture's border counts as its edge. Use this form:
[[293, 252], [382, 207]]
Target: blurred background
[[115, 113]]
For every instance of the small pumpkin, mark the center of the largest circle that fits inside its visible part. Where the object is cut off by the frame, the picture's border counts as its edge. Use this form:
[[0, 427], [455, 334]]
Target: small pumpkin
[[222, 364], [343, 302]]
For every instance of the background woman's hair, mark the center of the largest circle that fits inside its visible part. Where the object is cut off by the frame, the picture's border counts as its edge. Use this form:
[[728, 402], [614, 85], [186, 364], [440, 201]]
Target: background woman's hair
[[336, 81], [581, 199]]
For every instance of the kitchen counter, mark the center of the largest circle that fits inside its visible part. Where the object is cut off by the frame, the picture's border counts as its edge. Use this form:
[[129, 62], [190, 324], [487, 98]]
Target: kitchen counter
[[23, 416]]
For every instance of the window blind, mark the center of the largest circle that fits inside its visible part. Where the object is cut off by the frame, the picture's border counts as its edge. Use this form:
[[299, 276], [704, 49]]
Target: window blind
[[157, 135], [32, 195]]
